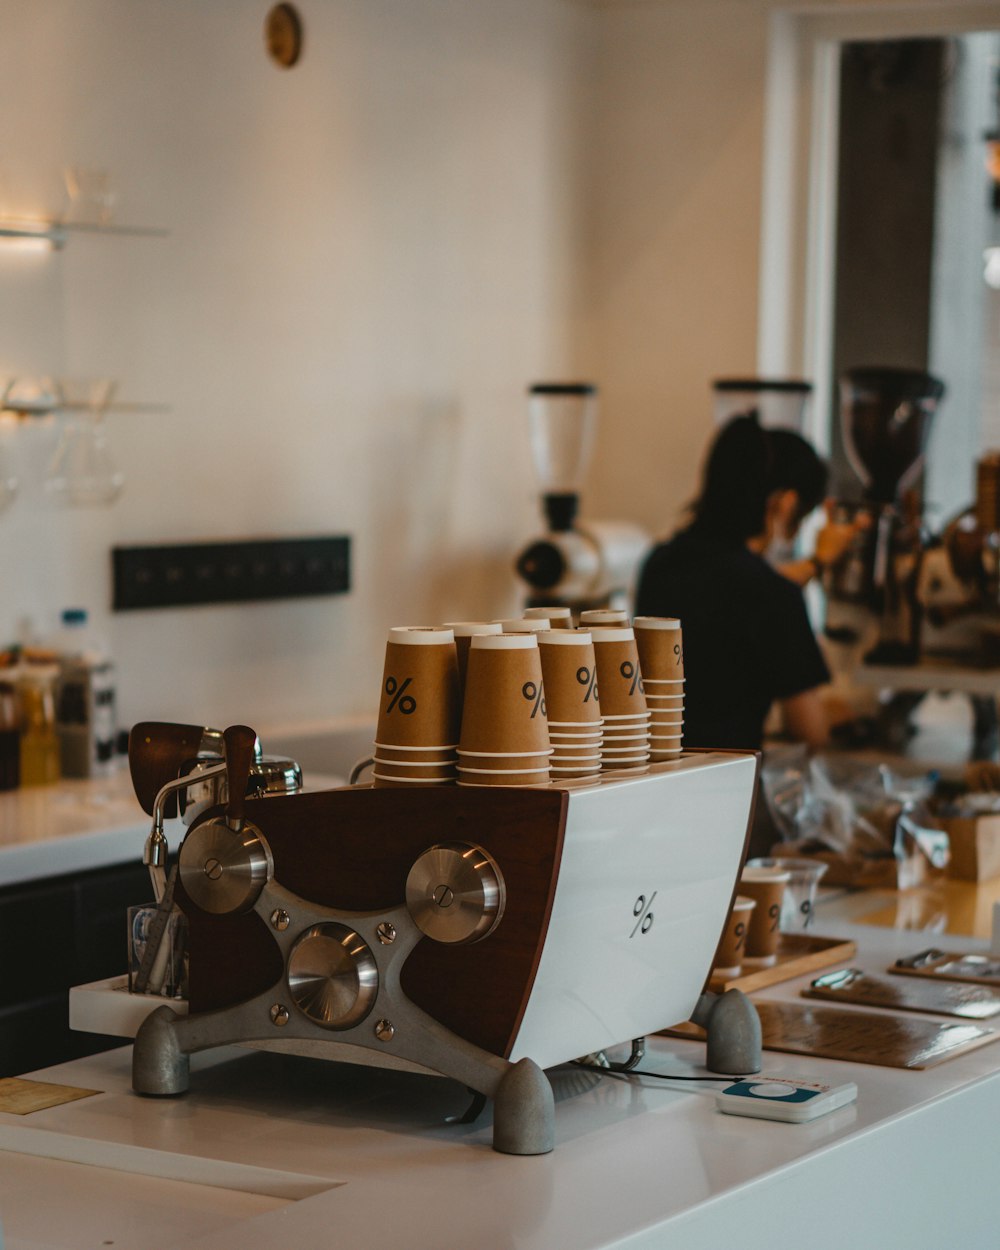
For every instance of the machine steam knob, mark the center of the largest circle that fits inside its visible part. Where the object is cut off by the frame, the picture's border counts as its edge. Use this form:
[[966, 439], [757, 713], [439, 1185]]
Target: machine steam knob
[[224, 871], [455, 892], [332, 975]]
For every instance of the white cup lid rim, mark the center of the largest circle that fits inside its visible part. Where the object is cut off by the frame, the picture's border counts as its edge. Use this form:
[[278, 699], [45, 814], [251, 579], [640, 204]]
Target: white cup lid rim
[[612, 633], [565, 638], [421, 635], [656, 622], [467, 629], [504, 642]]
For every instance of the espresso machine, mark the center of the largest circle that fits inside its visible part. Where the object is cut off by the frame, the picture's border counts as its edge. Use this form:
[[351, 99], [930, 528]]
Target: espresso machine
[[577, 564], [482, 933], [886, 416]]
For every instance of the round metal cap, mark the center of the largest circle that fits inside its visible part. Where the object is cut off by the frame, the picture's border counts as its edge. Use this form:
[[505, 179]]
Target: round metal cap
[[455, 893], [332, 976], [223, 871]]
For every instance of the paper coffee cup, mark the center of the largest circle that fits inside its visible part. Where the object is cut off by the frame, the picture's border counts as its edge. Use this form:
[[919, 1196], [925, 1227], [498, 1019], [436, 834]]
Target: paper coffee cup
[[569, 670], [732, 945], [767, 887], [504, 706], [558, 618], [661, 647], [419, 704], [464, 631]]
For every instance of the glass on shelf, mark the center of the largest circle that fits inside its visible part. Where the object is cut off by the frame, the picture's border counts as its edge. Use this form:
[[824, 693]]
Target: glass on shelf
[[83, 471], [91, 196]]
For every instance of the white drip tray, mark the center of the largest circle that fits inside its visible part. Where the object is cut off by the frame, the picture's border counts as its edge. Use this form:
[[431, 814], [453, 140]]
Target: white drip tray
[[108, 1007]]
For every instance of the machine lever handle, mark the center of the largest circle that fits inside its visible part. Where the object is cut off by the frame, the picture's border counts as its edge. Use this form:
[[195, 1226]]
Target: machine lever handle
[[240, 743]]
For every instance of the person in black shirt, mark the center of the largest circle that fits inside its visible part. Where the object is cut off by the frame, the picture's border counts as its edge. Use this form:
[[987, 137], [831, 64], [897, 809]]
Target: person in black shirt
[[748, 642]]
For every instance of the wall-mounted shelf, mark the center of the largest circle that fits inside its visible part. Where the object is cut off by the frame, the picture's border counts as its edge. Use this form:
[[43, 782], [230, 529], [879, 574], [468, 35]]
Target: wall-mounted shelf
[[57, 233]]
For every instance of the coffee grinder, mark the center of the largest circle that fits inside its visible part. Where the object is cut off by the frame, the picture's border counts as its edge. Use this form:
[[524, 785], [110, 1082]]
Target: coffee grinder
[[885, 420], [578, 565]]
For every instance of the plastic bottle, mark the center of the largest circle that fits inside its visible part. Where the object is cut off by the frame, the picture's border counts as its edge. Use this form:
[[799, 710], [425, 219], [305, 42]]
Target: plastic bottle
[[39, 752], [85, 699], [10, 730]]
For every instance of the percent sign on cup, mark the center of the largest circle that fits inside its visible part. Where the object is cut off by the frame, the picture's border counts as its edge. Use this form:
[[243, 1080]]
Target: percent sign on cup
[[407, 703], [630, 672], [586, 678], [679, 653], [532, 692]]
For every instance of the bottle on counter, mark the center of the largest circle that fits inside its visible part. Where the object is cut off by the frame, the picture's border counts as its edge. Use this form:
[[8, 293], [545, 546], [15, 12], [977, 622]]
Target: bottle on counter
[[10, 730], [85, 699], [39, 746]]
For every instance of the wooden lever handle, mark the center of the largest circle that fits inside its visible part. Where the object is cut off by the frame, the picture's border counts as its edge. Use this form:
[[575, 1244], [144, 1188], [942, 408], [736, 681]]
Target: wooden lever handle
[[240, 741], [156, 752]]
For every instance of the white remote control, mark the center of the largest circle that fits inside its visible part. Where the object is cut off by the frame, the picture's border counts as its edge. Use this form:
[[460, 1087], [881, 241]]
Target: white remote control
[[772, 1098]]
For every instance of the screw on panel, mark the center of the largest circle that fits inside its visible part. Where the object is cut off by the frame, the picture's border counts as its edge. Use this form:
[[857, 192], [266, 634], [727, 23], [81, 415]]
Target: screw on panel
[[386, 933], [280, 919], [279, 1015], [385, 1030]]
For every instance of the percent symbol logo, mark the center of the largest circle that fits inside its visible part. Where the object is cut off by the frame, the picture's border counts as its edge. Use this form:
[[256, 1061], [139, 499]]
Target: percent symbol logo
[[407, 703], [679, 653], [630, 671], [532, 692], [643, 910], [589, 679]]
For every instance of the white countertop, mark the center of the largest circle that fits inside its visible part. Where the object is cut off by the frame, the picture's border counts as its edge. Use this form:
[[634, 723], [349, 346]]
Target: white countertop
[[74, 826], [306, 1153]]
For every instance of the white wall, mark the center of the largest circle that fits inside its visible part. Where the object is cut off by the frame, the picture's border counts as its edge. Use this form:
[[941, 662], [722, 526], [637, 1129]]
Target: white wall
[[370, 257]]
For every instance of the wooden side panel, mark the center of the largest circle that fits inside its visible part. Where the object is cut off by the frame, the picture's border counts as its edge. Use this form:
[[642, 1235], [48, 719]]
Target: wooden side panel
[[353, 848]]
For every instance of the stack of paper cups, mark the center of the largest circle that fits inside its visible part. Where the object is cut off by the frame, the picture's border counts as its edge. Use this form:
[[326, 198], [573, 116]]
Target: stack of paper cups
[[623, 704], [661, 657], [464, 632], [419, 709], [569, 669], [505, 734], [558, 618]]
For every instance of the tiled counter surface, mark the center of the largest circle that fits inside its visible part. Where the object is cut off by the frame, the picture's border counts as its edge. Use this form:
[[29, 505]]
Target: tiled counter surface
[[268, 1150]]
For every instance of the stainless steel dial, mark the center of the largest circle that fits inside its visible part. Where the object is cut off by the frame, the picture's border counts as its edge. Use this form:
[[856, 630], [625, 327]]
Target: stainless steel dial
[[223, 871], [332, 976], [455, 892]]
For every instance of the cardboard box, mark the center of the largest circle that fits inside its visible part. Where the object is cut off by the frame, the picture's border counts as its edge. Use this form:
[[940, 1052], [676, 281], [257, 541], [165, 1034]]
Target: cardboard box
[[975, 846]]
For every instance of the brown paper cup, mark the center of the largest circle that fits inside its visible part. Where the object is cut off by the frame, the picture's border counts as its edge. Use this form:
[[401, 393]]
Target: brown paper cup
[[504, 705], [732, 946], [419, 703], [661, 647], [569, 670], [767, 887], [464, 631], [558, 618]]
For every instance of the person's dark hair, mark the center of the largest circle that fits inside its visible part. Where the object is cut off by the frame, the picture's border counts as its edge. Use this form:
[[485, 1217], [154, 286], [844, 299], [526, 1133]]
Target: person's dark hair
[[745, 464], [795, 466]]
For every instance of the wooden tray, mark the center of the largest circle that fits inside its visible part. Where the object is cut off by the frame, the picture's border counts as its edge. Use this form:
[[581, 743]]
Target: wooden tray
[[798, 954], [974, 969], [859, 1036], [939, 998]]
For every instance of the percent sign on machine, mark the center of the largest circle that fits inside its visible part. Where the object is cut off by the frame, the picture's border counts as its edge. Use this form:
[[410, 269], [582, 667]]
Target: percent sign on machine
[[643, 910], [586, 678], [631, 671], [406, 702], [532, 692]]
